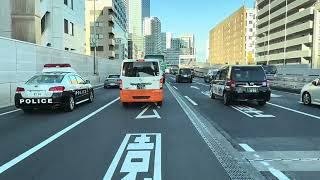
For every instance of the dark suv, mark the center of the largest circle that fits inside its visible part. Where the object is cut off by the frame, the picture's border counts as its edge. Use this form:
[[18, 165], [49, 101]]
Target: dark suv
[[241, 83], [184, 75]]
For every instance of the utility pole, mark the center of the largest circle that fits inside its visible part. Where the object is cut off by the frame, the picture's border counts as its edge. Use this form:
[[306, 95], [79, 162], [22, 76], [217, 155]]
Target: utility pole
[[94, 39]]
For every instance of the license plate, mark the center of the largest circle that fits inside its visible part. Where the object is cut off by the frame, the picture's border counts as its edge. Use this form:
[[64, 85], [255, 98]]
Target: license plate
[[37, 93], [252, 90], [112, 84], [185, 75], [141, 86]]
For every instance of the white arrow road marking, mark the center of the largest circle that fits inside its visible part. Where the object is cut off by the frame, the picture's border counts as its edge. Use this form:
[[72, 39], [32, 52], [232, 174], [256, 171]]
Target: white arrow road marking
[[155, 115], [251, 112], [194, 87]]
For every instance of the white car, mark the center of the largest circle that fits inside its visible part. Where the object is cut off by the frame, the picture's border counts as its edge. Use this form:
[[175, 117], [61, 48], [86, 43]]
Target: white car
[[310, 93], [58, 86]]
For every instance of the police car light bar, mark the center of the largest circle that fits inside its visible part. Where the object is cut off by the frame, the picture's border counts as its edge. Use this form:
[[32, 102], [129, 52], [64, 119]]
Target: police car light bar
[[56, 65]]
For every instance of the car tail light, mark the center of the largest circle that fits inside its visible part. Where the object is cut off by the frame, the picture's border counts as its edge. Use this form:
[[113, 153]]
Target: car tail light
[[19, 90], [231, 83], [57, 89], [56, 65], [120, 83], [161, 83], [265, 83], [140, 60]]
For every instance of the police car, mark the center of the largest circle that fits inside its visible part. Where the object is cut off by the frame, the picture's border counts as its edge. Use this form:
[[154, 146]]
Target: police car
[[58, 86]]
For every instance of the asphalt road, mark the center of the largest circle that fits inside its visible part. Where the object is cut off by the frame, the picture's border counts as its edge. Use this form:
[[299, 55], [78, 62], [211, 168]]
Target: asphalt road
[[190, 137]]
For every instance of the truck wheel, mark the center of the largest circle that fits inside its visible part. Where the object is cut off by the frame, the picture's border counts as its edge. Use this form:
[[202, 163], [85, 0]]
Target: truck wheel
[[262, 103], [91, 97]]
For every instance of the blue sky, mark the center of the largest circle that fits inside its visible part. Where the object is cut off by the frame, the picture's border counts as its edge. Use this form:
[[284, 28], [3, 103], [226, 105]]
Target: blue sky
[[194, 16]]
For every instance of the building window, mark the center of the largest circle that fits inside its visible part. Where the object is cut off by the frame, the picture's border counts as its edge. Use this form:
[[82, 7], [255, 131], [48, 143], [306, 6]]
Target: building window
[[99, 48], [67, 49], [66, 26], [44, 22], [71, 4], [72, 29], [66, 2]]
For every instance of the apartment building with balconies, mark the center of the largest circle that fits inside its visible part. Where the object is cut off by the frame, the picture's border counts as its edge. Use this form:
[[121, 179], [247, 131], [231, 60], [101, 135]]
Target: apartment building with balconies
[[106, 29], [287, 32]]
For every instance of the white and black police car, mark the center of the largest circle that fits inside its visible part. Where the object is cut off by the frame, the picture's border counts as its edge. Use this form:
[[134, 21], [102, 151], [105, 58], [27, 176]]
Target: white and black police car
[[58, 86]]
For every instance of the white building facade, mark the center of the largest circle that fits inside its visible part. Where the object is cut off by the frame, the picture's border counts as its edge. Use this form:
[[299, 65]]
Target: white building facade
[[251, 35], [287, 32], [152, 35]]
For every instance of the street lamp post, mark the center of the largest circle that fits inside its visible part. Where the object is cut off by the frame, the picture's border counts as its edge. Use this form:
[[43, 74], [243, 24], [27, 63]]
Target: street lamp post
[[265, 44], [94, 39]]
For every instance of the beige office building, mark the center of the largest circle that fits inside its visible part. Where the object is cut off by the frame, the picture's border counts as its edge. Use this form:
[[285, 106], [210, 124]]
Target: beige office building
[[232, 41], [288, 32]]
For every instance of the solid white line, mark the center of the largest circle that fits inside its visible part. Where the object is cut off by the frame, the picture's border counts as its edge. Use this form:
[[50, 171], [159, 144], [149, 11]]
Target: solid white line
[[82, 101], [175, 87], [191, 101], [117, 158], [157, 160], [9, 112], [296, 111], [202, 84], [287, 92], [36, 148], [278, 174], [234, 107], [247, 148], [194, 87]]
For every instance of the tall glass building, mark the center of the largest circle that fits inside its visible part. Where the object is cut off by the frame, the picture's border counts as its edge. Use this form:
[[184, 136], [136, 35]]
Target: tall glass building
[[138, 10]]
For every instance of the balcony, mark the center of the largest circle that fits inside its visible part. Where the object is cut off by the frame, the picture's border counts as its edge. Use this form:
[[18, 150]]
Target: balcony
[[298, 54], [111, 19], [296, 4], [278, 56], [300, 40], [261, 49], [276, 24], [278, 13], [112, 54], [300, 14], [276, 3], [300, 27], [277, 35], [263, 20], [262, 30], [262, 39], [112, 42], [263, 10]]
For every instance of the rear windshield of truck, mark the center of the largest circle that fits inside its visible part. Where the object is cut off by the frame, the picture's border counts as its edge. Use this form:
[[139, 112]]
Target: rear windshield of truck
[[114, 76], [248, 74], [140, 69], [185, 71]]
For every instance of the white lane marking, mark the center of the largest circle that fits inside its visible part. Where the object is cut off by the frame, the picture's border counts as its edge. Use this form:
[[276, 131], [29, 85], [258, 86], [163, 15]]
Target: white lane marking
[[175, 87], [82, 101], [194, 87], [247, 148], [141, 148], [252, 112], [292, 110], [202, 84], [155, 114], [234, 107], [278, 174], [286, 92], [207, 93], [36, 148], [272, 170], [275, 95], [98, 88], [191, 101], [9, 112]]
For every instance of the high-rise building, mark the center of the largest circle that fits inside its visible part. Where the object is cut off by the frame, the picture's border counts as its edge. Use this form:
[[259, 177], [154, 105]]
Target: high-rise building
[[110, 17], [288, 32], [57, 24], [138, 10], [232, 41], [152, 35], [166, 40]]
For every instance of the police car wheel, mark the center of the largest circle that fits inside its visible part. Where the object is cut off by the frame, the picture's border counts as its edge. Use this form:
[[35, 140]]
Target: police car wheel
[[70, 104], [91, 97]]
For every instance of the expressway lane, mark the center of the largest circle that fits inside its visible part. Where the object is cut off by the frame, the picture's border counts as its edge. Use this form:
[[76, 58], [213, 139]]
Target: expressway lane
[[280, 136], [88, 151]]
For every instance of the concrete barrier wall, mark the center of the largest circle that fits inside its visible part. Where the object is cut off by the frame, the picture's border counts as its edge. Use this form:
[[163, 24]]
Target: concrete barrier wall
[[19, 61]]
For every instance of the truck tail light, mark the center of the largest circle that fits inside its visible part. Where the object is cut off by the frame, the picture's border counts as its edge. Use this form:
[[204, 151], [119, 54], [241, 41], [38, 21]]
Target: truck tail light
[[161, 83], [57, 89], [231, 83], [120, 83], [20, 90], [265, 83]]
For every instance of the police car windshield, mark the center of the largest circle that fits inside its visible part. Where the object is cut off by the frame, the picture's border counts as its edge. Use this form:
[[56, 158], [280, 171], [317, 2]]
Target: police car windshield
[[46, 79], [248, 74], [185, 71], [114, 76], [140, 69]]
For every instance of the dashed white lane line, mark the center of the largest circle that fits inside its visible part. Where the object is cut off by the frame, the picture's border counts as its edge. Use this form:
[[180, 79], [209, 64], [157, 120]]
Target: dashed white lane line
[[278, 174], [175, 87], [9, 112], [36, 148], [194, 87], [286, 92], [247, 148], [191, 101], [202, 84], [292, 110]]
